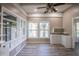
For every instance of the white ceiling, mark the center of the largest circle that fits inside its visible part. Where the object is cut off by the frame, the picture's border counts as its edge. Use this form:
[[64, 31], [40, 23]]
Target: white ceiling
[[31, 8]]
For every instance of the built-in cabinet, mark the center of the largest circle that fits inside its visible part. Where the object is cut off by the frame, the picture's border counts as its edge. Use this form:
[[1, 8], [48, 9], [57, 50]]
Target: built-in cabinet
[[64, 40], [13, 31], [55, 39]]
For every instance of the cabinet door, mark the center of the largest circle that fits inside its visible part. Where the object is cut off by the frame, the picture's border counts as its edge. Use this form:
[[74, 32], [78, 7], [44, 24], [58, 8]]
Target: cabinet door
[[63, 40], [66, 41], [4, 50], [55, 39]]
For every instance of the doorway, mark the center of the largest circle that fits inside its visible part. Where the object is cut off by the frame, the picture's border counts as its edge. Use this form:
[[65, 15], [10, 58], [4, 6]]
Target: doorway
[[75, 32]]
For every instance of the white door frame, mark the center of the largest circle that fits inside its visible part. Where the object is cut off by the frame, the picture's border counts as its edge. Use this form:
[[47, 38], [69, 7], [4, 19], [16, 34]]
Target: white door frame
[[74, 33]]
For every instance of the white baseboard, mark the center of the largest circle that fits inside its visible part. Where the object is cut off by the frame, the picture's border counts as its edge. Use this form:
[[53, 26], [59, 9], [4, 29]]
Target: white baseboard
[[19, 50]]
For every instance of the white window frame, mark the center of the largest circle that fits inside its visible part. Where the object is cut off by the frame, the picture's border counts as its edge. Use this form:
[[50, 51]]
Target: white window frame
[[38, 30]]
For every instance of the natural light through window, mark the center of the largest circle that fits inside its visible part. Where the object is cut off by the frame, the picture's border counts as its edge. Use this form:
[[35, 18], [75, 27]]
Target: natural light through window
[[33, 30], [77, 29], [38, 30]]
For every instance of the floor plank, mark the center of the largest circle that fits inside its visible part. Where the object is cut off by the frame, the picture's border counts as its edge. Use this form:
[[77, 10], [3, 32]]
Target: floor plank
[[45, 50]]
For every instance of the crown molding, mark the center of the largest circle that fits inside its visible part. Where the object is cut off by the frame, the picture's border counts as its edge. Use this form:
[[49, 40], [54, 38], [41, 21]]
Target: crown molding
[[19, 8], [46, 15]]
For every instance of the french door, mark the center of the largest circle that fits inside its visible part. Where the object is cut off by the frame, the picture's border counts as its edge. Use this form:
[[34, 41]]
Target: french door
[[38, 30]]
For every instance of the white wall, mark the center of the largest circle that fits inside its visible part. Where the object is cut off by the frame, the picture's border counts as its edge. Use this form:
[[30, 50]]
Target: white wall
[[68, 17]]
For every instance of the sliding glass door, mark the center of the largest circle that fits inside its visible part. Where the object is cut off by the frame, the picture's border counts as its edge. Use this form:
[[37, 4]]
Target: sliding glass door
[[38, 30]]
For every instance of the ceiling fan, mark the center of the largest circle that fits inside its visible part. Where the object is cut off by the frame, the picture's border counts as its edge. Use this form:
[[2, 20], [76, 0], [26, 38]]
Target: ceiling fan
[[50, 7]]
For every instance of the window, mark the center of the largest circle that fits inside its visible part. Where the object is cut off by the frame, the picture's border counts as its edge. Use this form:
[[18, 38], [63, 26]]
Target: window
[[38, 30], [77, 29], [24, 28], [44, 30], [33, 30], [9, 26]]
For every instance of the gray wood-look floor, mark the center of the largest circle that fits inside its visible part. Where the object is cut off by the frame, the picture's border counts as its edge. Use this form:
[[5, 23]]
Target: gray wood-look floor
[[46, 50]]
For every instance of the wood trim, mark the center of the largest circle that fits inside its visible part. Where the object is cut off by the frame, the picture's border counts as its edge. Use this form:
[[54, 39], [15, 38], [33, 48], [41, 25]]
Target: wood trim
[[44, 17], [67, 9], [19, 8], [14, 14], [16, 50], [38, 41]]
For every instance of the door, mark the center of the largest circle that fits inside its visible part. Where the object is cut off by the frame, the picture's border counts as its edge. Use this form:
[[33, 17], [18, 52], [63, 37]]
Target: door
[[7, 22], [77, 32]]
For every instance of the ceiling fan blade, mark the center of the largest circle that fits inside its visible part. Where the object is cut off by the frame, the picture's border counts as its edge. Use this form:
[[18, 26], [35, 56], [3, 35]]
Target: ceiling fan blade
[[46, 12], [58, 4], [41, 7], [54, 10]]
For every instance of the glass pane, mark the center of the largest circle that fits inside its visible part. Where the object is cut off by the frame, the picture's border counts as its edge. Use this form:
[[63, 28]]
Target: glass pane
[[9, 22], [33, 26], [44, 26], [0, 22], [32, 34], [6, 30], [0, 25], [77, 29], [44, 34]]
